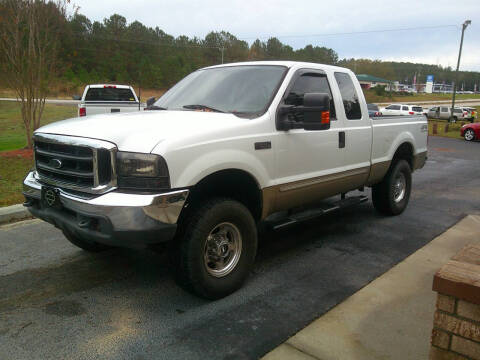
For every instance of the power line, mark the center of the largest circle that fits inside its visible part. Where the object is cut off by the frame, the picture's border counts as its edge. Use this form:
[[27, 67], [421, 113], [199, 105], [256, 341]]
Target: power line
[[352, 32], [265, 36]]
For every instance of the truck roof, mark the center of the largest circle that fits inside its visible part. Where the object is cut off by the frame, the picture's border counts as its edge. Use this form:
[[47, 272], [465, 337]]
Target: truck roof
[[106, 85], [288, 64]]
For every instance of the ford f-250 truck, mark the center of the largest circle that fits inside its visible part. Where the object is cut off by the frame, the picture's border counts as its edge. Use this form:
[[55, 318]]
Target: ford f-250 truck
[[108, 98], [224, 150]]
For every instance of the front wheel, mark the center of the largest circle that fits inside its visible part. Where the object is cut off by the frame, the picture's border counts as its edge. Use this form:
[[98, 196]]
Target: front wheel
[[216, 249], [391, 196], [469, 135]]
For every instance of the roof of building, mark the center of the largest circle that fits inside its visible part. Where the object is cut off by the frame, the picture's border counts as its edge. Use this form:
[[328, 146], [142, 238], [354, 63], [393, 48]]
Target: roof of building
[[371, 78]]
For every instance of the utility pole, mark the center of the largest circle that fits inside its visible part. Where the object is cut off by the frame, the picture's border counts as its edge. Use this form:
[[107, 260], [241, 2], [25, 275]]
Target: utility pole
[[464, 26], [222, 49]]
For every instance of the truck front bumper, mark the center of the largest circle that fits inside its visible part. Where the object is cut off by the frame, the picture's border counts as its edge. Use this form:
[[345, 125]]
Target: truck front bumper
[[115, 218]]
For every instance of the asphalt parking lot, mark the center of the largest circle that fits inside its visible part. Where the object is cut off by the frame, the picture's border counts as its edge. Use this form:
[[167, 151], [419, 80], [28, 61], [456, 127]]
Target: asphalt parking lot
[[59, 302]]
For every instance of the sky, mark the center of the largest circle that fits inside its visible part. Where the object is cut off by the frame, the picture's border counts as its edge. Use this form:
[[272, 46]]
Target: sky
[[334, 24]]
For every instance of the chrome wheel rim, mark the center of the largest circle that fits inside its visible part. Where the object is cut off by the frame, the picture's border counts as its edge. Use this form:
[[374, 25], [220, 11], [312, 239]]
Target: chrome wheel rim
[[223, 248], [399, 188], [469, 135]]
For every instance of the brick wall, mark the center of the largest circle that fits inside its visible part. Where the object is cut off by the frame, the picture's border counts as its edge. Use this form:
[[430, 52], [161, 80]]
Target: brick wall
[[456, 324]]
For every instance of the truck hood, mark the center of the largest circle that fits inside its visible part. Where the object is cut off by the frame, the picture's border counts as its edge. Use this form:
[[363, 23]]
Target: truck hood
[[141, 131]]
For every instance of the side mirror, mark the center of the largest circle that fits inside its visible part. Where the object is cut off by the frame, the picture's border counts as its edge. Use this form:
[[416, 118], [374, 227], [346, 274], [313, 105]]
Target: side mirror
[[150, 101], [316, 111]]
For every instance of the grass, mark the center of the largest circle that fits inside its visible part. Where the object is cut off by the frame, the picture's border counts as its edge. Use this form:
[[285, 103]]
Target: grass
[[12, 131], [14, 165], [12, 172], [453, 129]]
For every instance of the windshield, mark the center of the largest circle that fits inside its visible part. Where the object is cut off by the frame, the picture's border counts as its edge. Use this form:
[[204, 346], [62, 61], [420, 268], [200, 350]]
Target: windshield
[[244, 89]]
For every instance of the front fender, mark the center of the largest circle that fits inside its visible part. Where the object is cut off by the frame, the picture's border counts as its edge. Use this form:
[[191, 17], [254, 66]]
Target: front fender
[[214, 161]]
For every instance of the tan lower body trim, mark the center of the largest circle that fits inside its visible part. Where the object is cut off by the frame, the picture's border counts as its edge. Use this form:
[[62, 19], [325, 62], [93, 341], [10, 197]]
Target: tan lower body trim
[[377, 172], [290, 195], [419, 160]]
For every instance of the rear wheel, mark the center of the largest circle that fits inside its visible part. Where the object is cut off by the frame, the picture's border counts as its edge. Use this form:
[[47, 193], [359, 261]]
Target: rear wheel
[[469, 135], [89, 246], [391, 196], [216, 248]]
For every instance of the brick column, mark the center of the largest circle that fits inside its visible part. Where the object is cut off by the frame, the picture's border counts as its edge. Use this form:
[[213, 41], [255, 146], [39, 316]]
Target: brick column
[[456, 324]]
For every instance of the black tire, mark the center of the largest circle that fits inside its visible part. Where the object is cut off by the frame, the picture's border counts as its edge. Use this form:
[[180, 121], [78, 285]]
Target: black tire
[[386, 197], [192, 271], [89, 246], [470, 136]]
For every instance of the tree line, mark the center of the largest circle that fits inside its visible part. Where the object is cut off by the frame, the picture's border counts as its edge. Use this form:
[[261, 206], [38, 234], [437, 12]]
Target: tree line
[[116, 51]]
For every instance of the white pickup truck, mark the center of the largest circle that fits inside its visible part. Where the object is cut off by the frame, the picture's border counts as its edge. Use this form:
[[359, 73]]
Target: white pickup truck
[[108, 98], [226, 149]]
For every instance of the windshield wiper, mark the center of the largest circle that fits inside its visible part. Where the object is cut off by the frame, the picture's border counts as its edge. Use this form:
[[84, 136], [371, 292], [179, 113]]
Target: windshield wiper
[[200, 107], [155, 107]]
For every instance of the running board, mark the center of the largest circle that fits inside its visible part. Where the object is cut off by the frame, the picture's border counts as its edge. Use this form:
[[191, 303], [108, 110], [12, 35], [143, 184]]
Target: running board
[[276, 224]]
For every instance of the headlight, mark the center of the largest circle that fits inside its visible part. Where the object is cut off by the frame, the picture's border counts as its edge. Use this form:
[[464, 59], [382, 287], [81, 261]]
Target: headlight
[[142, 171]]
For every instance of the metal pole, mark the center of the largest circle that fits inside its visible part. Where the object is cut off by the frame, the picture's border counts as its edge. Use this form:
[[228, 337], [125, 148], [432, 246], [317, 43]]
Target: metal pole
[[464, 26], [139, 89], [222, 49]]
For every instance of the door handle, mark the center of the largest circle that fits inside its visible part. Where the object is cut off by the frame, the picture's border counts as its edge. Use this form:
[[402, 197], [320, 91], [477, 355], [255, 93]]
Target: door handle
[[341, 139]]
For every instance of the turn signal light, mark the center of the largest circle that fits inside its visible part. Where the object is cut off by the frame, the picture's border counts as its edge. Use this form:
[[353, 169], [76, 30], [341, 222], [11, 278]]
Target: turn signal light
[[325, 117]]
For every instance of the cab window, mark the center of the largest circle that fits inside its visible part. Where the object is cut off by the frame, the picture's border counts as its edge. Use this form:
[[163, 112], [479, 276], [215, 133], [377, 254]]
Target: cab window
[[310, 83], [351, 103]]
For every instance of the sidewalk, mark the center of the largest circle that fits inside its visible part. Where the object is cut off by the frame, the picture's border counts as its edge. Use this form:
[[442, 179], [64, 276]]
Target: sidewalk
[[390, 318]]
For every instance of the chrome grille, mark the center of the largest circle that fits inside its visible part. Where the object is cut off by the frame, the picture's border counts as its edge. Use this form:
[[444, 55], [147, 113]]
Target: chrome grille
[[75, 163]]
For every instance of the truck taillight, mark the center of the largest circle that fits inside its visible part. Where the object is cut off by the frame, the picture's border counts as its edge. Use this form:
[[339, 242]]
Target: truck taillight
[[82, 111], [411, 113]]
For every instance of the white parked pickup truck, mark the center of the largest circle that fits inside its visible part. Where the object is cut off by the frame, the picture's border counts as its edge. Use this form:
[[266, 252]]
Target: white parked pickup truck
[[228, 148], [107, 98]]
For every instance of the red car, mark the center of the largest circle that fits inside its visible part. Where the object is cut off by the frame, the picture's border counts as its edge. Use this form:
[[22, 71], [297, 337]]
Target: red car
[[470, 131]]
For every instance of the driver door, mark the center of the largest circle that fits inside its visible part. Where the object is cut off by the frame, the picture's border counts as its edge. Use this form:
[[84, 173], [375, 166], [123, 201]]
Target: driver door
[[308, 162]]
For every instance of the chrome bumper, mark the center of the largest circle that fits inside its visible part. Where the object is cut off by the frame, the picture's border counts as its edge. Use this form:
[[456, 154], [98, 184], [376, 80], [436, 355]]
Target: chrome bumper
[[120, 213]]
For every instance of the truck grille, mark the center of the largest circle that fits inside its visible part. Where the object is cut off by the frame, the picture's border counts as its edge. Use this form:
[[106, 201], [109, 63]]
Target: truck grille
[[73, 165]]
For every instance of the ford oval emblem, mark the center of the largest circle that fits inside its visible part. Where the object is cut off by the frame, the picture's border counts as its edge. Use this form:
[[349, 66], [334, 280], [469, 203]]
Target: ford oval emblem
[[55, 163]]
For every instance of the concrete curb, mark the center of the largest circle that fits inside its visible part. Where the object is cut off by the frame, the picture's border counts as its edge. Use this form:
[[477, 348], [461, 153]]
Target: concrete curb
[[13, 213], [389, 318]]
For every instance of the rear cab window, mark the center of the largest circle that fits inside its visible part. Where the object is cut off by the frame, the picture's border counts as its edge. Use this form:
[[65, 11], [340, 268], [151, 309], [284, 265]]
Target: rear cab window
[[109, 94], [405, 108], [350, 100], [417, 108]]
